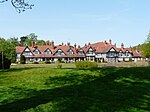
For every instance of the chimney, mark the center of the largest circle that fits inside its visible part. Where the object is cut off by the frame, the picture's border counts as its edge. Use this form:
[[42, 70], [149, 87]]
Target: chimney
[[115, 44], [110, 42], [89, 44], [75, 46], [85, 44], [33, 44], [78, 46], [62, 44], [53, 46], [68, 43], [47, 43], [122, 45], [137, 48]]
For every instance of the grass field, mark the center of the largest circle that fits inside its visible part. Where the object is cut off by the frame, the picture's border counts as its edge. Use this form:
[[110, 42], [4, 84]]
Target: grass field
[[43, 89]]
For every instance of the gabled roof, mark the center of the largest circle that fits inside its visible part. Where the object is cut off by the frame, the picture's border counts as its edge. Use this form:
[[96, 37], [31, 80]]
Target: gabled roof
[[137, 53], [99, 47]]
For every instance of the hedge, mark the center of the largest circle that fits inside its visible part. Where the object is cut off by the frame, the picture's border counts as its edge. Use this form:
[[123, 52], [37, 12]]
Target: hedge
[[86, 64]]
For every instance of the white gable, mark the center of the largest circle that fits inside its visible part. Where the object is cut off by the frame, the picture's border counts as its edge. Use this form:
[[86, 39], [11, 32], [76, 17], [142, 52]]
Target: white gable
[[112, 49]]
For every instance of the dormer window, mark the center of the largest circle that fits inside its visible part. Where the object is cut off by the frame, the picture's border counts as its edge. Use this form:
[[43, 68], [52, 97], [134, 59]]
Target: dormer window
[[127, 53], [59, 52], [120, 53], [48, 51], [36, 51], [80, 52], [70, 52], [90, 51]]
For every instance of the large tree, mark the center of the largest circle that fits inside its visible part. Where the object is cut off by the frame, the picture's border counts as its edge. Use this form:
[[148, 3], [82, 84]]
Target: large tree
[[146, 47], [7, 49], [20, 5]]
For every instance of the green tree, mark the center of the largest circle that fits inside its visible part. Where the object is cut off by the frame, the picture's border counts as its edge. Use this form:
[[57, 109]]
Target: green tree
[[23, 40], [22, 59], [40, 42], [7, 49], [146, 47], [14, 41]]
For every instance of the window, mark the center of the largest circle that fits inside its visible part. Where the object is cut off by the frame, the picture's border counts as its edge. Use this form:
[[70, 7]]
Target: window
[[36, 51], [48, 51], [70, 52], [80, 52]]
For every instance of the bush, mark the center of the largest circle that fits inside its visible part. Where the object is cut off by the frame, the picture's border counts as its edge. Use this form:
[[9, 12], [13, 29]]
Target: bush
[[86, 64], [22, 59], [58, 65], [47, 62], [6, 62], [35, 62]]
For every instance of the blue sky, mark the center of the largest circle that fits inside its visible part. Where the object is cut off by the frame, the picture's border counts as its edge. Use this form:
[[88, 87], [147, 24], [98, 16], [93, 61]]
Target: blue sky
[[79, 21]]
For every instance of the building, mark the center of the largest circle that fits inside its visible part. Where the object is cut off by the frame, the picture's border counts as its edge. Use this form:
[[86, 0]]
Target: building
[[100, 51]]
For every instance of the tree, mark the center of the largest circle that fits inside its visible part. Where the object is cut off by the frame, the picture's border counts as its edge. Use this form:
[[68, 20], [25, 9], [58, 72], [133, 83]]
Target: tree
[[26, 40], [14, 41], [40, 42], [22, 40], [146, 47], [19, 5], [8, 49], [22, 59]]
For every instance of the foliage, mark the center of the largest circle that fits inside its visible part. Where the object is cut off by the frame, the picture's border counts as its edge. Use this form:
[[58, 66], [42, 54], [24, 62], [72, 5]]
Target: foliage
[[58, 64], [14, 41], [6, 62], [19, 5], [86, 64], [47, 62], [40, 42], [75, 90], [8, 49], [146, 47], [35, 62], [22, 59]]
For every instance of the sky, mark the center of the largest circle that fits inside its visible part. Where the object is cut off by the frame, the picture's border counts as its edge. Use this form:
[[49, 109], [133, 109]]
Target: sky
[[79, 21]]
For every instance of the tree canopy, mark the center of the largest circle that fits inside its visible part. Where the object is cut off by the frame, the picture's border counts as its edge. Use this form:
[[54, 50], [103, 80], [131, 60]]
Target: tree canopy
[[19, 5], [146, 47], [8, 49]]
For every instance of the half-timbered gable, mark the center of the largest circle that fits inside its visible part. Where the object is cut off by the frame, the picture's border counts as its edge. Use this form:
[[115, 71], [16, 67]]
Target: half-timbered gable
[[90, 51], [112, 52], [70, 51], [36, 51], [27, 52], [59, 52], [47, 51], [80, 51]]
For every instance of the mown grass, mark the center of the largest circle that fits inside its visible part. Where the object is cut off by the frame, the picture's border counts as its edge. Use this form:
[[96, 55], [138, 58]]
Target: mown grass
[[75, 90]]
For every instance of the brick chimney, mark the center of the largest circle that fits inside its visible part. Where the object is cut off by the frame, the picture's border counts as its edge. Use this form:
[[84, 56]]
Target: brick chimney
[[47, 43], [78, 46], [110, 42], [75, 46], [68, 43], [89, 44], [122, 46], [32, 44], [53, 46], [62, 44]]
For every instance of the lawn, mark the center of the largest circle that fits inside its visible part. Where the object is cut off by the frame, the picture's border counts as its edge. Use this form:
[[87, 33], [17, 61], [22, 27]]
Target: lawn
[[46, 89]]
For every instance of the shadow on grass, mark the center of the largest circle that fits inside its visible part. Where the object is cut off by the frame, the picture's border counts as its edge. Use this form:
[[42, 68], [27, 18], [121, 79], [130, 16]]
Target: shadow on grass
[[121, 89]]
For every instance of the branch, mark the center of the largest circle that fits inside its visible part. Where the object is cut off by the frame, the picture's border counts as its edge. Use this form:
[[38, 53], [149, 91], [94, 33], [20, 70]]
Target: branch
[[19, 5]]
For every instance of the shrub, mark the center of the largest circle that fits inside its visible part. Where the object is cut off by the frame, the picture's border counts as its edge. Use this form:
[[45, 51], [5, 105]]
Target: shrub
[[58, 65], [22, 59], [6, 62], [35, 62], [86, 64], [47, 62]]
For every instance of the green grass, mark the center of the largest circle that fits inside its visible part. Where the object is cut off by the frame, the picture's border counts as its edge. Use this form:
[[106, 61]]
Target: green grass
[[75, 90]]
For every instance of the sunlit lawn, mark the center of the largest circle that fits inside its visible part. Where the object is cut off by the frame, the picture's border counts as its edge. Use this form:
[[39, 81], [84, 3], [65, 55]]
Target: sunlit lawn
[[75, 90]]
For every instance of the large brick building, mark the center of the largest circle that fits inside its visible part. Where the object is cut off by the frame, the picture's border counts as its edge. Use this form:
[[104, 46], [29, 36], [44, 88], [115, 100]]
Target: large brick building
[[100, 51]]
